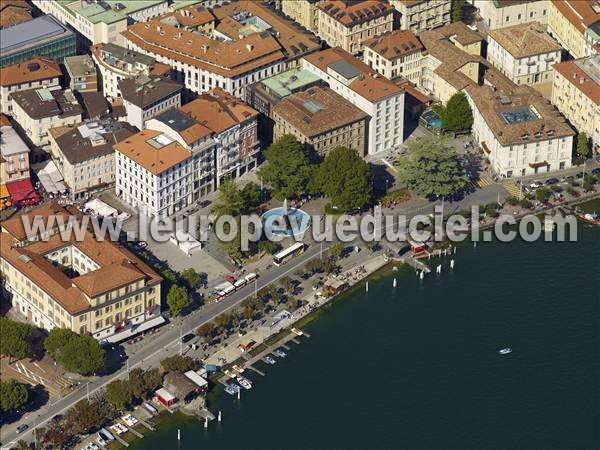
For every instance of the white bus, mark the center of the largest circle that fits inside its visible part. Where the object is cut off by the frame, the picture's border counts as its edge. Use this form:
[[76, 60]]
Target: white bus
[[294, 250]]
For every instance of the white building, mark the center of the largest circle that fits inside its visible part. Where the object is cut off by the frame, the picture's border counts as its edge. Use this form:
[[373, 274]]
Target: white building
[[525, 53], [101, 22], [375, 95], [395, 55], [506, 13], [421, 15], [519, 131]]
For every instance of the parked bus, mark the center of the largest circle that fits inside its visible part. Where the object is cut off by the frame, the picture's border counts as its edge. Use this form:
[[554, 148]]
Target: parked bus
[[294, 250]]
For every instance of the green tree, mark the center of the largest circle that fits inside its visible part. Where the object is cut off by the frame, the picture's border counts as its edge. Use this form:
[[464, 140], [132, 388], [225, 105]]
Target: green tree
[[292, 303], [137, 384], [229, 201], [206, 331], [287, 168], [13, 338], [541, 194], [177, 363], [588, 183], [250, 196], [86, 416], [337, 249], [82, 355], [582, 144], [286, 283], [267, 246], [314, 266], [57, 434], [456, 11], [457, 114], [432, 167], [177, 299], [119, 394], [191, 277], [345, 178], [57, 339], [23, 445], [223, 321], [152, 380], [13, 395]]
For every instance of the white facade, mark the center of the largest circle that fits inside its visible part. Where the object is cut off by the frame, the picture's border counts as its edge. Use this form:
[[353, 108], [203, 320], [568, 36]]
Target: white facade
[[496, 16], [5, 91], [422, 15], [408, 66], [137, 116]]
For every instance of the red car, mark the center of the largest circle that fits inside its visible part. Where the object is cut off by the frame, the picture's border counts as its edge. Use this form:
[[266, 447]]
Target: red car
[[230, 278]]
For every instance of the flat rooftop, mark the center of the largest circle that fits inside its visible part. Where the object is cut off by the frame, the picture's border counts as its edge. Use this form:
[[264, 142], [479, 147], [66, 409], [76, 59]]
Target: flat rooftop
[[33, 32], [290, 81], [107, 11]]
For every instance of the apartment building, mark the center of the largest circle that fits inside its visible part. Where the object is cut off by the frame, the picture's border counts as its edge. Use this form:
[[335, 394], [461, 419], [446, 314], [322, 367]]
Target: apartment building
[[575, 24], [347, 24], [101, 22], [525, 53], [322, 120], [373, 94], [520, 132], [85, 156], [421, 15], [82, 74], [395, 55], [38, 110], [576, 93], [305, 12], [28, 74], [234, 127], [250, 42], [14, 12], [87, 286], [14, 161], [40, 36], [145, 97], [507, 13]]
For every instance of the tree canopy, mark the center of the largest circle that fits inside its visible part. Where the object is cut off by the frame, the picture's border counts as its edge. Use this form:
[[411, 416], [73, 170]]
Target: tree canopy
[[288, 168], [13, 395], [88, 415], [76, 353], [432, 167], [177, 299], [177, 363], [456, 11], [191, 277], [229, 201], [457, 114], [582, 144], [346, 178], [13, 338], [119, 394]]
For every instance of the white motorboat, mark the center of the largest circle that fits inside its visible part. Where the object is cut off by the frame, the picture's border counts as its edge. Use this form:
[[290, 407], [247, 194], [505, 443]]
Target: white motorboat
[[279, 353], [505, 351], [244, 382], [269, 360]]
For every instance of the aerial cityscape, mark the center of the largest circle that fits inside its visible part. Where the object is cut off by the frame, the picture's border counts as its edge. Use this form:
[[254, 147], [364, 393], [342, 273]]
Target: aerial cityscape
[[300, 224]]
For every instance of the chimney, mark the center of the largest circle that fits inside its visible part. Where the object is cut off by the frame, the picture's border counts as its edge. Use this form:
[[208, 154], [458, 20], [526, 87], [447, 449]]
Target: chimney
[[158, 28], [205, 47], [249, 47]]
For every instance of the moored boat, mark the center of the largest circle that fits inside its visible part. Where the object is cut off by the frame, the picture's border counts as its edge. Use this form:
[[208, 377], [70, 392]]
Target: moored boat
[[591, 218]]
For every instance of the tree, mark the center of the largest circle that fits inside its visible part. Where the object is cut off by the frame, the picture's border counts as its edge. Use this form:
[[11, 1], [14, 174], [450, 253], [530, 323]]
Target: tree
[[137, 384], [119, 394], [345, 178], [13, 395], [249, 306], [206, 331], [177, 299], [57, 339], [223, 321], [13, 338], [432, 167], [456, 11], [337, 249], [292, 303], [588, 183], [457, 114], [152, 380], [287, 168], [541, 194], [82, 355], [582, 144], [23, 445], [286, 283], [86, 416], [58, 435], [177, 363], [267, 246], [251, 196], [230, 201], [314, 266], [191, 277]]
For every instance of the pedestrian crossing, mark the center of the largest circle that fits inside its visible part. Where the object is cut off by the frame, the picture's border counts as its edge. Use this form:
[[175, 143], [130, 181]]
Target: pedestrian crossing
[[512, 188], [484, 181]]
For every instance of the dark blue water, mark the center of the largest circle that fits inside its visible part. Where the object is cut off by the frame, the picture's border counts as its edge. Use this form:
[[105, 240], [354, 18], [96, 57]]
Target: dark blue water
[[417, 367]]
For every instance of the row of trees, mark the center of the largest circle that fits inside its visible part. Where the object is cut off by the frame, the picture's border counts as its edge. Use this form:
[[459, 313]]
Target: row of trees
[[140, 385]]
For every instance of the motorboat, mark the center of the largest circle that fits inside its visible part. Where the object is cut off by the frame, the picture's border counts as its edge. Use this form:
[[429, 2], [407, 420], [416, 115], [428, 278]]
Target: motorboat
[[505, 351], [279, 353], [229, 373], [232, 389], [244, 382], [238, 369], [269, 360]]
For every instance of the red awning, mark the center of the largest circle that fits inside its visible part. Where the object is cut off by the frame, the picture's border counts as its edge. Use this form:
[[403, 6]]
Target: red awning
[[22, 192]]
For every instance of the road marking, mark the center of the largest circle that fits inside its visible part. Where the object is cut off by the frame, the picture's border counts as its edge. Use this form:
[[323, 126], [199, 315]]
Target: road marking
[[390, 165]]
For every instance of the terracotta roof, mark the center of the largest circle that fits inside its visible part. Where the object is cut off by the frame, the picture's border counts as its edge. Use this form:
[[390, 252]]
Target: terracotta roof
[[351, 13], [154, 158], [579, 12], [34, 69], [192, 16], [525, 40], [4, 122], [218, 110], [395, 44], [457, 31], [317, 111], [13, 12], [369, 84], [57, 103], [143, 90], [14, 225], [574, 74]]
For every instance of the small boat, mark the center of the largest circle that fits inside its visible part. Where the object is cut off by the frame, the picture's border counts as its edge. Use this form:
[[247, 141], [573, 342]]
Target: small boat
[[229, 373], [505, 351], [280, 353], [232, 388], [238, 368], [297, 332], [244, 382], [591, 218], [269, 360]]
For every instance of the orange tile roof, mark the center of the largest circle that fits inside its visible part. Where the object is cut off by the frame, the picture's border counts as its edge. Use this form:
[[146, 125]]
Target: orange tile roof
[[579, 12], [526, 39], [192, 16], [578, 78], [351, 13], [395, 44], [155, 160], [34, 69], [4, 122]]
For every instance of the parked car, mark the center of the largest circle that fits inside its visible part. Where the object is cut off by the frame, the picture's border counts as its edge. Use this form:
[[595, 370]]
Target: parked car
[[536, 184], [188, 337], [22, 428], [550, 181], [596, 171]]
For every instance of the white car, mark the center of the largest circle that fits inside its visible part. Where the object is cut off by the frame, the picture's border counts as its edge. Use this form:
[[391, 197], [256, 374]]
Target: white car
[[100, 441]]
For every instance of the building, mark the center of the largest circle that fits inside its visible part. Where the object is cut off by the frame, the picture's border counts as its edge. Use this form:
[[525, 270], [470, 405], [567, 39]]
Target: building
[[101, 22], [38, 110], [82, 73], [250, 42], [525, 54], [40, 36], [87, 285], [395, 55], [507, 13], [145, 97], [576, 25], [31, 73], [421, 15], [322, 120], [520, 132], [576, 93], [234, 127], [14, 165], [14, 12], [305, 12], [116, 63], [347, 24], [85, 156], [264, 95], [196, 17], [375, 95]]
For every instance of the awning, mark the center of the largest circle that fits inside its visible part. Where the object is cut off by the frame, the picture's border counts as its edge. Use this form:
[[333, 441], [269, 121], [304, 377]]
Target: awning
[[485, 148], [118, 337], [538, 164], [101, 208], [50, 177], [5, 201], [22, 192]]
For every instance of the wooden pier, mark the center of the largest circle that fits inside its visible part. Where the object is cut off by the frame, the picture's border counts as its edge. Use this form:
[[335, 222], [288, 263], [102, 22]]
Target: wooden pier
[[146, 424], [137, 433], [120, 440], [254, 369]]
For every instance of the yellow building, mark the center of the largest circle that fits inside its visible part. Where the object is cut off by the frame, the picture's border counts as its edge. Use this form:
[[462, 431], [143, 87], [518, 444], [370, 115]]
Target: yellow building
[[576, 25], [76, 282], [302, 11]]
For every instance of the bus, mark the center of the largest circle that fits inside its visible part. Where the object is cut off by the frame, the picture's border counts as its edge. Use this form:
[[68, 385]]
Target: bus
[[294, 250]]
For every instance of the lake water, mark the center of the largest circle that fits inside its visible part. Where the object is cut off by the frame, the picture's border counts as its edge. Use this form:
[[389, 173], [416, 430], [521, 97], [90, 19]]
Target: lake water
[[417, 367]]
